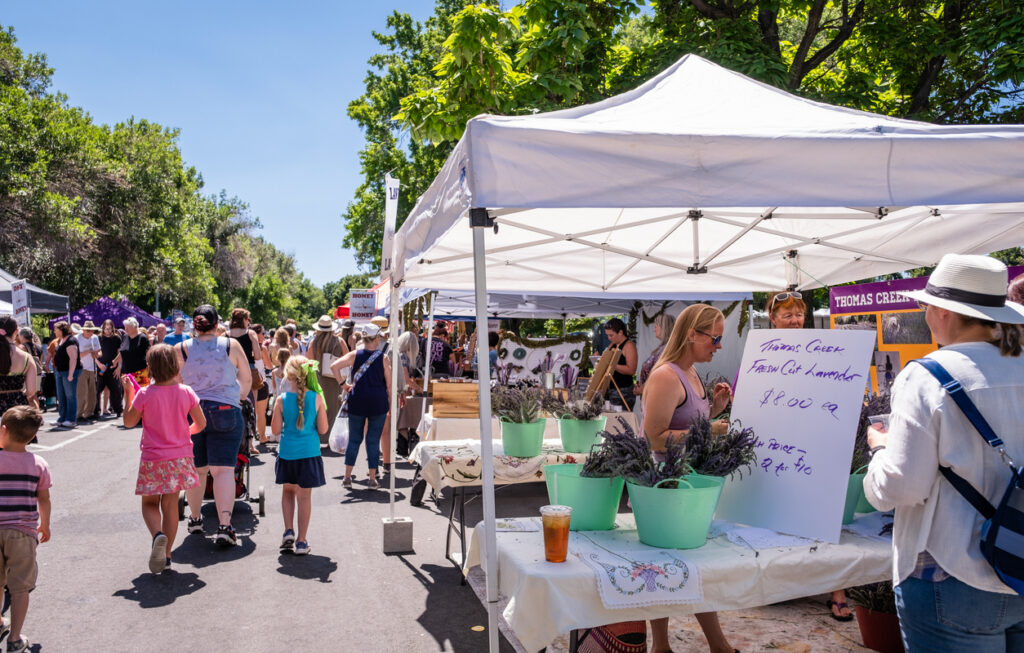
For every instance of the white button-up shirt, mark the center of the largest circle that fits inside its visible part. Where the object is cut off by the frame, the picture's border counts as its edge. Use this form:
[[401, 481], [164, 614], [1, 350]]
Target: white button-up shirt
[[928, 429]]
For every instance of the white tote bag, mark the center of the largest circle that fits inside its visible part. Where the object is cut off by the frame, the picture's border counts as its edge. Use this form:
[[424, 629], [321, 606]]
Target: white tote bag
[[338, 440]]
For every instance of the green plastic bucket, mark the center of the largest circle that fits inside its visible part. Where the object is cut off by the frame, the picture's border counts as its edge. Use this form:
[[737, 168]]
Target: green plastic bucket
[[594, 501], [522, 440], [862, 501], [579, 435], [676, 518], [854, 496]]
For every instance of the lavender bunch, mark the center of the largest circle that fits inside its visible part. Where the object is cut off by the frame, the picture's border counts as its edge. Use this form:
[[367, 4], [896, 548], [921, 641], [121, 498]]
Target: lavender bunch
[[518, 405], [719, 455], [574, 407], [503, 372], [624, 454], [454, 370], [621, 453], [569, 375], [875, 405]]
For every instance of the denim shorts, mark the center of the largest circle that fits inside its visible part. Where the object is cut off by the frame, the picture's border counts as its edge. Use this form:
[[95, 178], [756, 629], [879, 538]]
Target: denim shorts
[[219, 443]]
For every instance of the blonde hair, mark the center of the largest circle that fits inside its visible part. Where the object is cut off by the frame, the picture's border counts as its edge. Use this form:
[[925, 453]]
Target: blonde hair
[[696, 317], [665, 322], [296, 375]]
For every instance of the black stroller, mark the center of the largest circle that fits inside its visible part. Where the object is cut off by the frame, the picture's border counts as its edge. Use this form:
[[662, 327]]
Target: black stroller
[[242, 471]]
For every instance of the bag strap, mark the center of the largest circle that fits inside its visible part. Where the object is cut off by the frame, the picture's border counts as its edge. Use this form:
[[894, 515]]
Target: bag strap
[[358, 375], [959, 395], [974, 416]]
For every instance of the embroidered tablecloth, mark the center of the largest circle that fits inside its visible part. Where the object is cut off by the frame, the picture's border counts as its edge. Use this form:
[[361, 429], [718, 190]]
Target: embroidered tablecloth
[[549, 599], [454, 463]]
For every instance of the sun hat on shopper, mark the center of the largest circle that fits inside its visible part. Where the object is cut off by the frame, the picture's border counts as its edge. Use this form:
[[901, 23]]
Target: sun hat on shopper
[[970, 285], [325, 323]]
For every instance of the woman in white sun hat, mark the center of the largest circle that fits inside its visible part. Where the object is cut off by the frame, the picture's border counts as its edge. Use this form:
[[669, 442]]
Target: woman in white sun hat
[[948, 597]]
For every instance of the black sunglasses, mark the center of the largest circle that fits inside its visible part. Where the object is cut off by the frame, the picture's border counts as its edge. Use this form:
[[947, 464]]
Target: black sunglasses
[[715, 340], [783, 296]]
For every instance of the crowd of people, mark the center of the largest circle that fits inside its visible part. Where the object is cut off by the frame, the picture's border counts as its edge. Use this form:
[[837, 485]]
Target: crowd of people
[[209, 390]]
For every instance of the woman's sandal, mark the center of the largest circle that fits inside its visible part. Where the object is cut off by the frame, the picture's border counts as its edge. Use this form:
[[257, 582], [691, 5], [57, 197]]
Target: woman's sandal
[[833, 606]]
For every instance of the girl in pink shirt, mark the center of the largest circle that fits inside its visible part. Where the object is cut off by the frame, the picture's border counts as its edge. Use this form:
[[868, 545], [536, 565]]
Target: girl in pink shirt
[[167, 465]]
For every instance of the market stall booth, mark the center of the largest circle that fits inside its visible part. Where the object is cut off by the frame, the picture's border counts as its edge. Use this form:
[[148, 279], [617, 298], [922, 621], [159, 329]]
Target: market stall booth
[[39, 300], [701, 180]]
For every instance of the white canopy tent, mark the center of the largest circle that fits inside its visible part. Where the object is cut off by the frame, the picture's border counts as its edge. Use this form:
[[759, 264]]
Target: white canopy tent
[[702, 180]]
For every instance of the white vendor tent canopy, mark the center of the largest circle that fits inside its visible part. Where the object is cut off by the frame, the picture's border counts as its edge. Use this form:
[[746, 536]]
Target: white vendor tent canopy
[[701, 180], [462, 303]]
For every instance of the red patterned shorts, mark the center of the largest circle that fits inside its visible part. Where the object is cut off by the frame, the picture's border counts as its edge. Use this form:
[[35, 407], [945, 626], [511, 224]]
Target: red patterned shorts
[[166, 476]]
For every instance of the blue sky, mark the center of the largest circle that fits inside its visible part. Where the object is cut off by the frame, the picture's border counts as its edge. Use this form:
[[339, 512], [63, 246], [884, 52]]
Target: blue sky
[[258, 89]]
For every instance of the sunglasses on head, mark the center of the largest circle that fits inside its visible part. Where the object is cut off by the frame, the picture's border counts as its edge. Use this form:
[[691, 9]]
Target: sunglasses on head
[[782, 297]]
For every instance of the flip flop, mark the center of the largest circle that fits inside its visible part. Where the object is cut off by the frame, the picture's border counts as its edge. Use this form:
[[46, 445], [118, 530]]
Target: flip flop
[[830, 604]]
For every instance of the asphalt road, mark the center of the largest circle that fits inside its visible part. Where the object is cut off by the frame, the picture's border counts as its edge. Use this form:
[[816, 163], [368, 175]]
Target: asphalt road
[[95, 592]]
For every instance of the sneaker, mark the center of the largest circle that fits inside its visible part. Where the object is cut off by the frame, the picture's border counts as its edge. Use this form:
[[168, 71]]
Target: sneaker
[[372, 484], [346, 482], [158, 555], [17, 647], [288, 539], [226, 536], [195, 526], [301, 548], [5, 630], [167, 565]]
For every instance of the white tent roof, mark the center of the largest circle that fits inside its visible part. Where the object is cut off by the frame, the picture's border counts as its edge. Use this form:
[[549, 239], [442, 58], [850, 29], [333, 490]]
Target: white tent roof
[[703, 180]]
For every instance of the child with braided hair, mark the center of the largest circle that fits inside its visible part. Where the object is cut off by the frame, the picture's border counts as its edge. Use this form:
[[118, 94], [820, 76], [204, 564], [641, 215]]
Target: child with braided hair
[[299, 415]]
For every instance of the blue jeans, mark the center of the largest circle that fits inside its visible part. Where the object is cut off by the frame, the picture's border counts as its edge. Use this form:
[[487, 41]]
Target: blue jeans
[[953, 617], [67, 396], [374, 425], [219, 443]]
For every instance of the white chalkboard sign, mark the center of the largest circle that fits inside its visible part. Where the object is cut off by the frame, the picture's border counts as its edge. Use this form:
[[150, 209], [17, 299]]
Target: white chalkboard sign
[[801, 390]]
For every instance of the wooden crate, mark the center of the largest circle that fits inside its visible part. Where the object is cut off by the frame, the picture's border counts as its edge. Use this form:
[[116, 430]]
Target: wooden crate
[[455, 399]]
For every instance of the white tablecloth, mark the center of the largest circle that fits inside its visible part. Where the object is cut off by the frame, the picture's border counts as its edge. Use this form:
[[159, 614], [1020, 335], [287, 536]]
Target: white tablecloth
[[455, 463], [548, 599], [457, 428]]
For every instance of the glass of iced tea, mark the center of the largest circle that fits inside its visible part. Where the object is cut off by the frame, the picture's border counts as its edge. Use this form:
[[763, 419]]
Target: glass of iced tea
[[556, 531]]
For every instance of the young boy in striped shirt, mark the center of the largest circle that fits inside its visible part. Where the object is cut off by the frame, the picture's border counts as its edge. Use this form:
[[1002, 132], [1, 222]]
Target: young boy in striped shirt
[[24, 515]]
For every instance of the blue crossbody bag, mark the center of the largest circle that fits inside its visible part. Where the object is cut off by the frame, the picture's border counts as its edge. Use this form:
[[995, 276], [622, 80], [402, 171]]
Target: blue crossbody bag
[[1002, 535]]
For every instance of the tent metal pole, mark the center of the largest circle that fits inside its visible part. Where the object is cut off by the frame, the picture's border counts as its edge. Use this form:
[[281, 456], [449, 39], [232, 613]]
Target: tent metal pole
[[395, 371], [430, 339], [486, 446]]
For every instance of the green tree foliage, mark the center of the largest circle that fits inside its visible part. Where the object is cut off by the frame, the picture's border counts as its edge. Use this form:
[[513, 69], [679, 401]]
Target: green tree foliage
[[89, 209], [948, 61]]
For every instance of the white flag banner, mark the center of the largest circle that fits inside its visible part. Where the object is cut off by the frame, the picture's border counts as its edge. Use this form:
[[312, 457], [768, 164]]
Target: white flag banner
[[19, 301], [362, 304], [391, 186]]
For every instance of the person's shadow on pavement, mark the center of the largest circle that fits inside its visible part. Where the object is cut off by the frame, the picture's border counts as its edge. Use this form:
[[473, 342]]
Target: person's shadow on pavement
[[159, 590], [307, 567]]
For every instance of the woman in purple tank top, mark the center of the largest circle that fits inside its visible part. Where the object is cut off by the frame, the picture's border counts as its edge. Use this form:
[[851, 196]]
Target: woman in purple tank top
[[673, 396]]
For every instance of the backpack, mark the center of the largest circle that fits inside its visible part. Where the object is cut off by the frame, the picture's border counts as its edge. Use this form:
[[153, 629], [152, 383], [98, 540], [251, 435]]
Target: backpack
[[1002, 535]]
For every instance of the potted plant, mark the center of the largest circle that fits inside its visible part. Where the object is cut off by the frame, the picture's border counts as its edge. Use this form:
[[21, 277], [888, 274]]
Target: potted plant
[[855, 501], [518, 412], [875, 605], [580, 422], [594, 489]]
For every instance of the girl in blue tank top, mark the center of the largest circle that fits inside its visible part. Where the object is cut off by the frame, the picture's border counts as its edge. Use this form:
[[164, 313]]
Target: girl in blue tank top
[[299, 417]]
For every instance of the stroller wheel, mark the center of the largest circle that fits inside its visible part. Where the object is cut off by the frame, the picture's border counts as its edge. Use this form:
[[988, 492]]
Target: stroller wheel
[[263, 502], [181, 506]]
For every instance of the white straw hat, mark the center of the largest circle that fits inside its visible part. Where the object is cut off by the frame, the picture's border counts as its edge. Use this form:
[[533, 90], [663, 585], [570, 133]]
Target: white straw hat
[[325, 323], [970, 285]]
